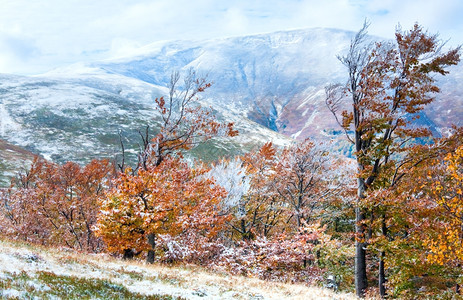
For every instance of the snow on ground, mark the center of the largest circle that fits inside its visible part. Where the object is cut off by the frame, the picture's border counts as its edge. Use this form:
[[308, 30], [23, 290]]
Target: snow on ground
[[186, 282]]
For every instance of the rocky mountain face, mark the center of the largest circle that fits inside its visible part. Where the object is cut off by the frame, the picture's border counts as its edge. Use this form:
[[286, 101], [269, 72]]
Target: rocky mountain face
[[270, 85]]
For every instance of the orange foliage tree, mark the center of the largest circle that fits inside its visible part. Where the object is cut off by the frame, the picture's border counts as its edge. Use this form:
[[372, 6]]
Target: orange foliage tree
[[447, 193], [169, 199], [419, 257], [278, 199], [259, 209], [282, 190], [307, 177], [56, 204]]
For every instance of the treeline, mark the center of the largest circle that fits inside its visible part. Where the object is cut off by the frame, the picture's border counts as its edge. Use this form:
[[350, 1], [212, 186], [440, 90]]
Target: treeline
[[388, 222]]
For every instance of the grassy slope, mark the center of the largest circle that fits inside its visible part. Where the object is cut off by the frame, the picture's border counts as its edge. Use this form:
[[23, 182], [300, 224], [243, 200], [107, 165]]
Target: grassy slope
[[29, 271]]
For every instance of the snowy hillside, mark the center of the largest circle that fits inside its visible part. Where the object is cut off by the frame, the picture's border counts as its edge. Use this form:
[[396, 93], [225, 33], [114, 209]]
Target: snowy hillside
[[28, 272], [259, 75], [79, 116]]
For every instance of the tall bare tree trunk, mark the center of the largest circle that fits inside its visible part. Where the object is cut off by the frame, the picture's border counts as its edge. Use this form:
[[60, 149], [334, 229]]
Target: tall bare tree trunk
[[151, 253], [382, 270], [382, 276], [361, 283]]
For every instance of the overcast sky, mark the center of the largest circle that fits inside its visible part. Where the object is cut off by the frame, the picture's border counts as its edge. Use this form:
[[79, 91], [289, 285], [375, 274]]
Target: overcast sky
[[39, 35]]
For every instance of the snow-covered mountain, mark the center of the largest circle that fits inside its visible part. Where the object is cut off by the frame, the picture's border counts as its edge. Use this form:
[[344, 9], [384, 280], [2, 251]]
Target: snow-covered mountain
[[258, 76], [276, 80]]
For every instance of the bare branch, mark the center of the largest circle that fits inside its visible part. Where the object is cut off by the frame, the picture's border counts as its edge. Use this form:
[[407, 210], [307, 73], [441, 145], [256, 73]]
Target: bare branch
[[333, 100]]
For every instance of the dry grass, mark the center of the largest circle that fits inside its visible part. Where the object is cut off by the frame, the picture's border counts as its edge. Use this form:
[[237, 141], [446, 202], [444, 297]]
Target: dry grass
[[188, 282]]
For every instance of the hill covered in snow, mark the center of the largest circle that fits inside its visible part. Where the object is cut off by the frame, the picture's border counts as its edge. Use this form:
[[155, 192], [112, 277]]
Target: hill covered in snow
[[28, 272]]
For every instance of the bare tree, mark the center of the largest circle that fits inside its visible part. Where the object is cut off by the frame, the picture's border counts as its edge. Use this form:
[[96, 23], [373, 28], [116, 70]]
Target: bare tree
[[355, 61], [185, 124]]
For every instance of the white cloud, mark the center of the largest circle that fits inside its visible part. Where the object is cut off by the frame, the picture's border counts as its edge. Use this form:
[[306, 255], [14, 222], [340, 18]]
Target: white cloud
[[235, 22], [16, 49], [121, 47], [438, 16]]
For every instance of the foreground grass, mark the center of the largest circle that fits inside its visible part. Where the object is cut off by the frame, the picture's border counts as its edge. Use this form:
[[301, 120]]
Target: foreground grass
[[30, 272], [47, 285]]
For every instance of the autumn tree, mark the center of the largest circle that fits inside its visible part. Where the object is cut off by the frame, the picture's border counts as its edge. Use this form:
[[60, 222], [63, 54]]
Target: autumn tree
[[280, 190], [171, 198], [54, 204], [260, 209], [447, 192], [305, 178], [280, 201], [251, 200], [437, 195], [412, 231], [388, 86]]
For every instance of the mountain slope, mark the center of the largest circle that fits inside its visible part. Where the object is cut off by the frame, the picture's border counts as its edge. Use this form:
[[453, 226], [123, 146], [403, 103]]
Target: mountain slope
[[12, 160], [79, 116], [30, 272], [258, 75]]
